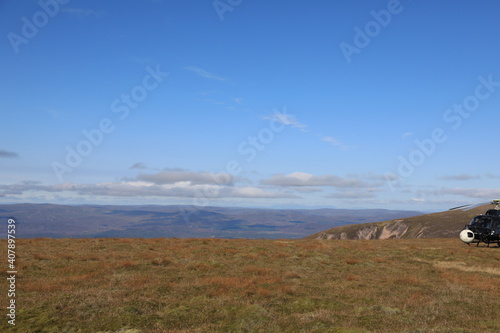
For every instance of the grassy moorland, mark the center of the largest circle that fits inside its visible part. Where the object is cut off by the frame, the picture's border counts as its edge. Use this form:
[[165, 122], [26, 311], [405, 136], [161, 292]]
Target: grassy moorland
[[217, 285]]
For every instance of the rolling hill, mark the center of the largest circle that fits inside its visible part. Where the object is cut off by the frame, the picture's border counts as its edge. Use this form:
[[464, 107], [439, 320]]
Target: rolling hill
[[149, 221], [445, 224]]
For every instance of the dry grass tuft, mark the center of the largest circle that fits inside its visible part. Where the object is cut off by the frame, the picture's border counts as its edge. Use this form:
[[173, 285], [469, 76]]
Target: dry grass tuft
[[256, 270], [38, 256], [127, 264], [161, 262], [352, 277]]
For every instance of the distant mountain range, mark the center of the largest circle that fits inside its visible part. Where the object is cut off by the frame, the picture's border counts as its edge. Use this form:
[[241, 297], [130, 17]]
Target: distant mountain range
[[436, 225], [148, 221]]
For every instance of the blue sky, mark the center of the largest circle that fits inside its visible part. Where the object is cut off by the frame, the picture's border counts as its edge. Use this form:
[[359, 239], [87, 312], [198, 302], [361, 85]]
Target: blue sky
[[341, 104]]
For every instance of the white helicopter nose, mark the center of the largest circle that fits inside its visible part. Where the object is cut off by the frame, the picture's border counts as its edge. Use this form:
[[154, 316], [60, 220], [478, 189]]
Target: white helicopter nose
[[466, 236]]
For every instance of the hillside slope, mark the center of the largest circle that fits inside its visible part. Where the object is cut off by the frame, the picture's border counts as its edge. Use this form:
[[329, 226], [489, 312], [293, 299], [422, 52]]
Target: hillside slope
[[445, 224]]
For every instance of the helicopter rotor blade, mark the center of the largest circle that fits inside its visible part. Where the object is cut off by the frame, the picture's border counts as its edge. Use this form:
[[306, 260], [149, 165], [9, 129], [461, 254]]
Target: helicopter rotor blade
[[470, 206], [459, 207], [476, 205]]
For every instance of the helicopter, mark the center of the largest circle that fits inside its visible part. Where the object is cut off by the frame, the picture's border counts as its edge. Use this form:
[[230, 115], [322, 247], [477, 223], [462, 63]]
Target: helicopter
[[482, 228]]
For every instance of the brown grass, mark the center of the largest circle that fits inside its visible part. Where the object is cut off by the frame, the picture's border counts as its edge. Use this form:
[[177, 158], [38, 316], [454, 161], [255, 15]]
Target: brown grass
[[215, 285]]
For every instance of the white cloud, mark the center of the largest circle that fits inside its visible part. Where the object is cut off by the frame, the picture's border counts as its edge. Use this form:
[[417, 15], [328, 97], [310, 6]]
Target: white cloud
[[171, 183], [305, 179], [460, 177], [334, 142], [477, 193], [7, 154], [203, 73], [282, 117], [138, 165], [255, 192], [492, 176], [352, 194], [373, 176], [171, 177]]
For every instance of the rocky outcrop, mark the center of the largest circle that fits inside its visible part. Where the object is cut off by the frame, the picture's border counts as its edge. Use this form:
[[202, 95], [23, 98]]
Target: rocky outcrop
[[388, 230]]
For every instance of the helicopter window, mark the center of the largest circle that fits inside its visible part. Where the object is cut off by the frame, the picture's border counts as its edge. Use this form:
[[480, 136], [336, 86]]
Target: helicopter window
[[481, 222], [493, 212], [477, 221], [486, 223]]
